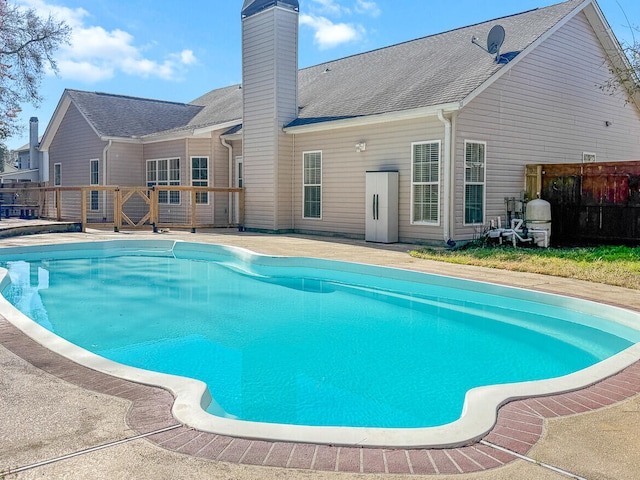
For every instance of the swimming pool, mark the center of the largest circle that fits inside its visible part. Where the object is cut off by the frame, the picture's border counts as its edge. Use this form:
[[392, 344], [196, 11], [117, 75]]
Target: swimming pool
[[329, 288]]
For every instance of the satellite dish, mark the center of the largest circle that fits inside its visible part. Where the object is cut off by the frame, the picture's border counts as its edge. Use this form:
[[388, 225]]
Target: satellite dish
[[495, 39]]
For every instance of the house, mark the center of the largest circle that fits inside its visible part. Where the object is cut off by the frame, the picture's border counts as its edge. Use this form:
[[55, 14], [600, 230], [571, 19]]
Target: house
[[31, 165], [456, 123]]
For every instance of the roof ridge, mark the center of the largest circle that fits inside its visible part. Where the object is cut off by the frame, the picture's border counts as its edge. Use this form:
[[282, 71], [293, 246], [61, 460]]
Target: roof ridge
[[438, 34], [132, 97]]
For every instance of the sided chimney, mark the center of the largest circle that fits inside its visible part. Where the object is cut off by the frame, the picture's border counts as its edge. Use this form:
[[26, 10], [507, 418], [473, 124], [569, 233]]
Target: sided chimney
[[34, 153], [270, 101]]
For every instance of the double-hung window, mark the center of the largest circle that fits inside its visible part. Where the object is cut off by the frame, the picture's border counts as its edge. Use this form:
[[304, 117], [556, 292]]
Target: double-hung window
[[94, 179], [200, 177], [165, 171], [312, 184], [425, 182], [474, 182]]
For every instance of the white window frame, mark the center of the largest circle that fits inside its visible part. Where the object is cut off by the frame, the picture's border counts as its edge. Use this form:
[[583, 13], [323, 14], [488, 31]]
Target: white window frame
[[166, 179], [57, 177], [198, 182], [94, 202], [306, 185], [435, 183], [482, 183], [588, 157]]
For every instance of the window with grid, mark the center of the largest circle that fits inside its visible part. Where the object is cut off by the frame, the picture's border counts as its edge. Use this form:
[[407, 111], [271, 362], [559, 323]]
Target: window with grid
[[474, 182], [165, 171], [200, 177], [94, 178], [312, 178], [425, 182]]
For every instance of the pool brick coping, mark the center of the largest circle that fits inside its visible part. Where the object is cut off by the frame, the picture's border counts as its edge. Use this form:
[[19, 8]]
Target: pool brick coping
[[518, 428]]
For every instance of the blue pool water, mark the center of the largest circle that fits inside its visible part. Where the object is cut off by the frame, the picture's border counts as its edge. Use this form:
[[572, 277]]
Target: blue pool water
[[306, 342]]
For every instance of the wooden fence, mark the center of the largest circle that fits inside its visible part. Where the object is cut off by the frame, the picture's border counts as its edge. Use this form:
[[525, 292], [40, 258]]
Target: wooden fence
[[590, 202], [127, 207]]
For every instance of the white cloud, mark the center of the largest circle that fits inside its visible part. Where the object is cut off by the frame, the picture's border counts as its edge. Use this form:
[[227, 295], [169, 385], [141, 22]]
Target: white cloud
[[188, 58], [96, 54], [86, 71], [329, 34], [369, 8], [330, 7]]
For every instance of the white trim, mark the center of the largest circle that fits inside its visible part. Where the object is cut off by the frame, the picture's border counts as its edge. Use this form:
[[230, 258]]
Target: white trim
[[365, 120], [438, 183], [54, 123], [465, 183], [312, 184]]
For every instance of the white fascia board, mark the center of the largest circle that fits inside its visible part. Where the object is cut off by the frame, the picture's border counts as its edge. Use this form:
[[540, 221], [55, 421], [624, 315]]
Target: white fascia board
[[188, 133], [121, 139], [18, 173], [219, 126], [504, 70], [374, 119], [54, 123]]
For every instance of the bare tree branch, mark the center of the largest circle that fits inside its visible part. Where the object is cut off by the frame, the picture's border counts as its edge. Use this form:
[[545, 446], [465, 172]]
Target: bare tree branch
[[27, 45]]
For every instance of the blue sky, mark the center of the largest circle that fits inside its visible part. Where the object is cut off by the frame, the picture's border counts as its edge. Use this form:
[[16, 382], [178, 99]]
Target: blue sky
[[179, 50]]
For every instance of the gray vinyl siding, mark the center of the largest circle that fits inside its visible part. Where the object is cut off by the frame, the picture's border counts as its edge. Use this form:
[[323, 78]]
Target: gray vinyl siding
[[270, 101], [73, 146], [547, 109], [343, 180], [125, 165]]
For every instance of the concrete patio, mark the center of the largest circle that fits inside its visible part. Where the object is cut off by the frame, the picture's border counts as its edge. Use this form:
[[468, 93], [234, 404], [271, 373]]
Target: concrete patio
[[62, 430]]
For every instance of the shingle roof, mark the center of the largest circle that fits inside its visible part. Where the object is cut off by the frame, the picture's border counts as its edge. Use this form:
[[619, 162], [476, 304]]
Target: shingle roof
[[122, 116], [430, 71]]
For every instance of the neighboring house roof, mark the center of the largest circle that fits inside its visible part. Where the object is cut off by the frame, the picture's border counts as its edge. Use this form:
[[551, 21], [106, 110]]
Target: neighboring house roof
[[26, 147], [430, 72]]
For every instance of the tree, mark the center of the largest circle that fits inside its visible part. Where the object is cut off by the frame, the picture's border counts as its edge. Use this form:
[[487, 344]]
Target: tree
[[27, 45], [625, 71]]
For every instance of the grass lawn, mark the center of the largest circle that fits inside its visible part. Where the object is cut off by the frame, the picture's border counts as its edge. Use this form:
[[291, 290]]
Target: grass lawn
[[613, 265]]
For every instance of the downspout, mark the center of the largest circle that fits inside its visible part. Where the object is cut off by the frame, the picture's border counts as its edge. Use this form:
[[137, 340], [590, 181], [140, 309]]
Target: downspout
[[106, 149], [230, 150], [293, 176], [446, 200]]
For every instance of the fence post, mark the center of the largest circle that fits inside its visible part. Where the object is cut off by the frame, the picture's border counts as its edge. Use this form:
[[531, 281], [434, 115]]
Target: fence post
[[194, 220], [241, 207], [117, 209], [58, 204], [83, 209], [153, 208]]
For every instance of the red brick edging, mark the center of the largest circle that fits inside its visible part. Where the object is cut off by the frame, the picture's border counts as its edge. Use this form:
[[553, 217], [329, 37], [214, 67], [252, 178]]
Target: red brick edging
[[518, 428]]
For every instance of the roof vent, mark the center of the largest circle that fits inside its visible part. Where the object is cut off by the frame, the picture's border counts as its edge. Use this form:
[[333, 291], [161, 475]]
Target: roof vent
[[495, 39]]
